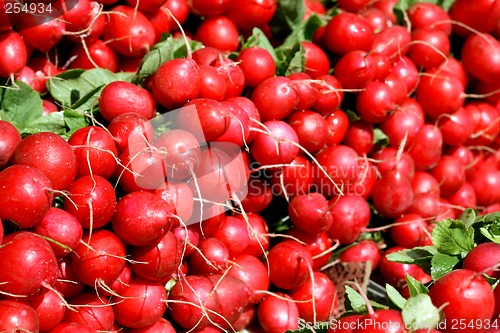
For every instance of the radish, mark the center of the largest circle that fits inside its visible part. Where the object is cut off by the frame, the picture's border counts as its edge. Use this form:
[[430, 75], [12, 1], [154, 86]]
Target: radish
[[198, 304], [485, 122], [392, 195], [239, 127], [209, 8], [188, 240], [159, 261], [456, 128], [311, 129], [118, 285], [8, 141], [92, 310], [450, 173], [235, 234], [296, 178], [275, 98], [126, 125], [142, 218], [146, 6], [376, 103], [253, 273], [364, 251], [356, 61], [464, 295], [330, 94], [181, 197], [320, 246], [62, 228], [338, 124], [73, 327], [321, 292], [290, 264], [128, 31], [278, 313], [25, 195], [465, 196], [68, 284], [409, 231], [392, 160], [219, 32], [17, 316], [393, 42], [212, 85], [360, 137], [307, 93], [212, 256], [142, 303], [99, 259], [482, 258], [92, 200], [257, 230], [406, 70], [279, 146], [206, 55], [257, 65], [429, 16], [247, 14], [14, 54], [310, 213], [49, 308], [160, 326], [347, 32], [394, 272], [317, 62], [95, 152], [259, 196], [96, 54], [49, 153], [232, 73], [29, 264], [41, 31], [480, 16], [429, 48], [350, 215], [77, 15], [427, 148]]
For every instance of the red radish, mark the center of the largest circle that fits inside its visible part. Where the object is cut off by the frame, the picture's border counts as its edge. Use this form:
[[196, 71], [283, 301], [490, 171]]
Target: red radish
[[346, 324], [426, 205], [99, 258], [73, 327], [456, 128], [393, 42], [257, 64], [92, 200], [146, 6], [317, 62], [376, 103], [179, 9], [235, 234], [367, 177], [49, 107], [247, 14], [68, 284], [142, 303], [427, 148], [161, 21], [485, 179], [430, 48], [142, 218], [483, 65], [352, 6], [49, 153], [254, 273], [450, 174], [17, 316], [290, 264], [233, 294], [29, 264], [28, 76], [464, 197], [92, 310], [118, 285], [306, 91], [93, 29], [364, 251], [377, 18], [128, 31], [259, 197], [95, 151], [309, 212], [409, 231], [275, 98], [278, 313], [187, 239], [355, 62], [125, 125], [321, 293], [25, 195], [218, 32], [61, 227], [479, 15], [238, 131], [158, 261], [389, 320], [347, 32], [340, 164], [14, 54], [77, 15], [392, 195], [96, 54], [176, 82], [394, 272], [330, 94], [121, 97], [206, 55], [338, 123], [463, 294], [44, 70], [424, 182], [212, 86], [483, 258], [213, 119], [245, 319], [405, 69], [404, 124], [209, 8], [41, 31], [293, 179], [360, 137], [350, 214], [257, 231], [318, 245], [199, 304], [233, 75], [311, 129], [390, 160], [485, 119], [160, 326], [181, 197], [279, 146], [429, 16], [49, 308], [212, 256], [8, 141], [249, 108]]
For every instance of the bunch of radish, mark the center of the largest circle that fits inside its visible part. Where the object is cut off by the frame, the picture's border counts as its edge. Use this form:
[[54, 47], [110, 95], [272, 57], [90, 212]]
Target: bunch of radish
[[201, 166]]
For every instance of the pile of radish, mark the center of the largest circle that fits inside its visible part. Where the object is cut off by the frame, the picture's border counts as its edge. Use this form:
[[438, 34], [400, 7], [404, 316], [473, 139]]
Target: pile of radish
[[205, 165]]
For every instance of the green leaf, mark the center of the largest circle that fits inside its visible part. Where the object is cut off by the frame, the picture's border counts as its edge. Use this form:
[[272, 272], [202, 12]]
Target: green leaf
[[168, 49], [75, 120], [421, 256], [395, 297], [453, 237], [292, 10], [468, 217], [419, 312], [297, 63], [258, 38], [355, 303], [380, 138], [82, 88], [442, 264], [303, 32], [53, 122], [21, 106], [415, 287]]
